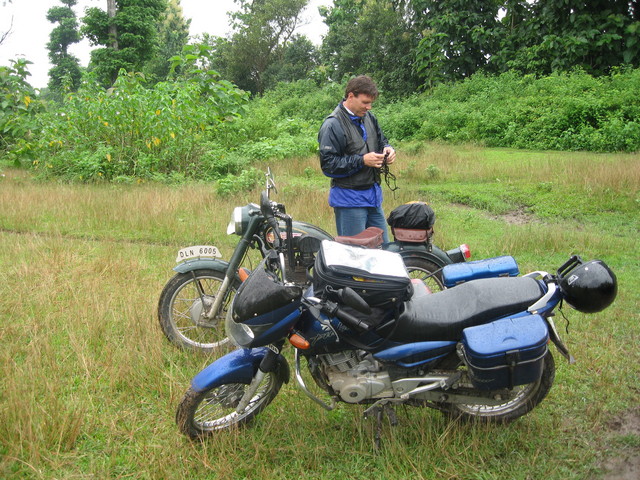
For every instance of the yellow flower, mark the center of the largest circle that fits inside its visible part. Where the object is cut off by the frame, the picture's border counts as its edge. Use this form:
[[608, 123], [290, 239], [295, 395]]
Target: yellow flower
[[158, 112], [172, 135], [108, 157], [156, 141], [26, 100]]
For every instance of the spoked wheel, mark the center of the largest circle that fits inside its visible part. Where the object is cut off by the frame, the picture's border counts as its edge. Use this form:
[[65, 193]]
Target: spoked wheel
[[425, 271], [182, 303], [522, 400], [203, 413]]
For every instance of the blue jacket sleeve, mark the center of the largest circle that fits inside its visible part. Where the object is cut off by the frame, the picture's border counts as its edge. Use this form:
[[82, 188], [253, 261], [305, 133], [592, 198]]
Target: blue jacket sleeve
[[332, 143]]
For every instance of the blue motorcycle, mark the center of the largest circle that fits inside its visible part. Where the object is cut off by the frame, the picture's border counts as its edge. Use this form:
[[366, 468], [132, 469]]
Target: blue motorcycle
[[369, 334]]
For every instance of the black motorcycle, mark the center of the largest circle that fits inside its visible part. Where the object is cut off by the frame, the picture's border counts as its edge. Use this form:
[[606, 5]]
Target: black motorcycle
[[194, 303]]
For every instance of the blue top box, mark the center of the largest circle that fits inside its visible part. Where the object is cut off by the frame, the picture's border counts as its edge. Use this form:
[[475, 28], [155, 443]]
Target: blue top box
[[458, 273]]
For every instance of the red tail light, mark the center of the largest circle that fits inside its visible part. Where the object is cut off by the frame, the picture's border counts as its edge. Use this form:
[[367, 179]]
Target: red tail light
[[466, 251]]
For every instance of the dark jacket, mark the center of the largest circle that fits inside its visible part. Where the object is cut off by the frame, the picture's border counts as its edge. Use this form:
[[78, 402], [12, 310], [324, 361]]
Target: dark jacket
[[342, 148]]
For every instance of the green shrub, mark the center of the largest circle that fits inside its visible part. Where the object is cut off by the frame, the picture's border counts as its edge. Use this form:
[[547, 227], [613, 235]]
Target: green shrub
[[201, 126], [247, 180], [132, 130], [19, 107], [572, 111]]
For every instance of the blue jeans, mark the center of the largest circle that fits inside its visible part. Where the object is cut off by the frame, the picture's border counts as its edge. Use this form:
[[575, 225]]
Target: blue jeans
[[353, 220]]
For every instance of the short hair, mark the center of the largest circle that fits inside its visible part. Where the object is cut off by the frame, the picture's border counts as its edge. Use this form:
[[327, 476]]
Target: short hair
[[361, 84]]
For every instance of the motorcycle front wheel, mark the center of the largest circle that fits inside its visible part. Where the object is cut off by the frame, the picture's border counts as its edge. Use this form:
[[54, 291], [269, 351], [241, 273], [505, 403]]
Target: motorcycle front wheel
[[203, 413], [180, 307], [521, 400], [428, 272]]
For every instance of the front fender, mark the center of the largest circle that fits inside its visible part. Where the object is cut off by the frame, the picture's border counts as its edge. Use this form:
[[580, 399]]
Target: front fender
[[202, 263], [238, 366]]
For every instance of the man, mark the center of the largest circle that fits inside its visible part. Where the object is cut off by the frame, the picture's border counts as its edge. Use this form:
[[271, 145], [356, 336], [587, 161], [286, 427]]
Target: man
[[352, 151]]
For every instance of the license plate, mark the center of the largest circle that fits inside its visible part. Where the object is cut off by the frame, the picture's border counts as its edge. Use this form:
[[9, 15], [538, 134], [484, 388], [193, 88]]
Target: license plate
[[198, 251]]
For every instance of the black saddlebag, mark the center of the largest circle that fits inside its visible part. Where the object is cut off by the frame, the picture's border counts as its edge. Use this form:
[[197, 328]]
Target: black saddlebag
[[378, 276], [412, 222], [505, 353]]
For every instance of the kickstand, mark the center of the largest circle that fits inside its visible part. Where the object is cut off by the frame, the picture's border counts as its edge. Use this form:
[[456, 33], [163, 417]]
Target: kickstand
[[380, 409]]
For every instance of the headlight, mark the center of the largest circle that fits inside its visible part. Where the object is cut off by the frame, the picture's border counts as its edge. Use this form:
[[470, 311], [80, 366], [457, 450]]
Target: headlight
[[235, 225], [240, 218], [231, 228], [240, 334], [247, 331]]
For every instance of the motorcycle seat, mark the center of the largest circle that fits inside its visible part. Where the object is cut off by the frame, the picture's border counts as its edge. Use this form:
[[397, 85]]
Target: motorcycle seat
[[369, 238], [443, 315]]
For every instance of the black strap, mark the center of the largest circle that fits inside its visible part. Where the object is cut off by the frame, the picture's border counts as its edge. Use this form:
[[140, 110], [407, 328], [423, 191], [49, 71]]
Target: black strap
[[389, 178]]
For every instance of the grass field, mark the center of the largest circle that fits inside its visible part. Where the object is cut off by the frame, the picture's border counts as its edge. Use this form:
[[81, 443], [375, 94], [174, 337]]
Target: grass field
[[90, 386]]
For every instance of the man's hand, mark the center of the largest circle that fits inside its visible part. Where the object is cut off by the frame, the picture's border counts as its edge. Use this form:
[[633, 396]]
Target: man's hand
[[373, 159], [376, 160], [391, 155]]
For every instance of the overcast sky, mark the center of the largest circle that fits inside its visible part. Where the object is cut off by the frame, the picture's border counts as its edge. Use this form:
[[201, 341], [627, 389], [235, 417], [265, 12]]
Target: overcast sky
[[31, 29]]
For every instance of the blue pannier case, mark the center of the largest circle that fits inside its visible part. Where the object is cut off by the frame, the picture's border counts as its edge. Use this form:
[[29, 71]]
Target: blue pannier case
[[457, 273], [506, 353]]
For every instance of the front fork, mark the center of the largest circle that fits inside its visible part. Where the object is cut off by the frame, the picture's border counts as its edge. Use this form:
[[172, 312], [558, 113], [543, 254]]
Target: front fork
[[268, 364], [209, 314]]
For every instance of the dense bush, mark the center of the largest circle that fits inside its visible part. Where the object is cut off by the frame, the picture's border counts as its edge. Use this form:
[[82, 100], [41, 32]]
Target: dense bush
[[134, 131], [177, 130], [19, 107], [200, 126], [560, 112]]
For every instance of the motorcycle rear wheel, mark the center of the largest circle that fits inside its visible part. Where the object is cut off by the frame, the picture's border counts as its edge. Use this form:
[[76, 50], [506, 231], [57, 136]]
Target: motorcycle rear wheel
[[204, 413], [180, 306], [425, 271], [522, 400]]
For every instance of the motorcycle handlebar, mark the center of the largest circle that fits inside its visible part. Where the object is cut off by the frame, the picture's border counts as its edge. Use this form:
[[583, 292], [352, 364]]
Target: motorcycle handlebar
[[270, 215]]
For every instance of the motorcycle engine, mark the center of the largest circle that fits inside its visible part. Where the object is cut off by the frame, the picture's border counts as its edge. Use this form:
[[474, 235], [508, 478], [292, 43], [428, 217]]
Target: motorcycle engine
[[356, 376]]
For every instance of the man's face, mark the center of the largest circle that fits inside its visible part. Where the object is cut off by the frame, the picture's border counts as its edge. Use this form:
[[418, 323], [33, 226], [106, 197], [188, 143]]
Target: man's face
[[359, 104]]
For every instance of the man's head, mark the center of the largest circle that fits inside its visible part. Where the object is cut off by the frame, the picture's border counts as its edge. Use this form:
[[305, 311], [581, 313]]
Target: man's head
[[360, 94], [361, 84]]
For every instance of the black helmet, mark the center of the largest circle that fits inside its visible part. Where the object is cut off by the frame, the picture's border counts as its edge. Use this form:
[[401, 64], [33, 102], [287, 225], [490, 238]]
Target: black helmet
[[589, 287]]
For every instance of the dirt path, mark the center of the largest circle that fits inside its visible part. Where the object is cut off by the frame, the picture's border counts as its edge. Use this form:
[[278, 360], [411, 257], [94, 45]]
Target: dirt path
[[626, 466]]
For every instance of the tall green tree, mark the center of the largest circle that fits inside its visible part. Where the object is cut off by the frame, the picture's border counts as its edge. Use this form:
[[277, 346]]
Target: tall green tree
[[458, 37], [262, 29], [66, 72], [559, 35], [297, 60], [127, 36], [173, 35], [376, 37]]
